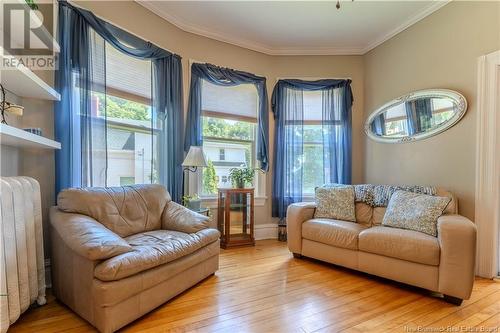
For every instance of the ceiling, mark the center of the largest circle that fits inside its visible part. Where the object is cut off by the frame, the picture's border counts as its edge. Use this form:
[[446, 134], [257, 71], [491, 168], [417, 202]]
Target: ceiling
[[296, 27]]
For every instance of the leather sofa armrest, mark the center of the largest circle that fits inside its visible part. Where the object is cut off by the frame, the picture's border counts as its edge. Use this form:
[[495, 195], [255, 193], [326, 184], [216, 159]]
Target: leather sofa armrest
[[178, 218], [457, 239], [87, 237], [296, 214]]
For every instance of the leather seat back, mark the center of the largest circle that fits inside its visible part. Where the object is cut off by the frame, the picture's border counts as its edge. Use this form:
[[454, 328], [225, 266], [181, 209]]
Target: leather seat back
[[124, 210]]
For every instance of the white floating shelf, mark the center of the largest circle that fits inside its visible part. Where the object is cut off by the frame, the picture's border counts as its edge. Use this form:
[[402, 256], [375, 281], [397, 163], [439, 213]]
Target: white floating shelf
[[17, 26], [22, 82], [12, 136]]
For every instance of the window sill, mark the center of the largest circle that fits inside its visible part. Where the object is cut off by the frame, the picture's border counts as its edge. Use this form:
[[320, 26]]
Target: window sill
[[211, 201]]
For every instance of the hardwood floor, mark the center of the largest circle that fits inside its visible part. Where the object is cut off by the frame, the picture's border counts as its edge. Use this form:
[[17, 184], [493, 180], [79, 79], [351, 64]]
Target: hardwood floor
[[264, 289]]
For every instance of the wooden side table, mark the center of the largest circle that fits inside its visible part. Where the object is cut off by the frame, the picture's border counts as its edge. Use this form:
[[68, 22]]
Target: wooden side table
[[235, 216]]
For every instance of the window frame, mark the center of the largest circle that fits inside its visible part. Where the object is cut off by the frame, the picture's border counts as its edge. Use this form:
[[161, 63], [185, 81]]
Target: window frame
[[259, 179]]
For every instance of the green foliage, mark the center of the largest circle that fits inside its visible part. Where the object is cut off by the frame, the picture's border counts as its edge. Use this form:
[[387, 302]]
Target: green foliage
[[187, 198], [220, 128], [32, 4], [117, 107], [209, 179], [241, 176]]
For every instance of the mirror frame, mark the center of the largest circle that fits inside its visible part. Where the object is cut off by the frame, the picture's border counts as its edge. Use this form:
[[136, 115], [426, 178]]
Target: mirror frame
[[457, 98]]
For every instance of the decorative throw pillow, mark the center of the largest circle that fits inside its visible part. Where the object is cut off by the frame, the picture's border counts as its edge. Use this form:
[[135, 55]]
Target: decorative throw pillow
[[414, 211], [335, 202], [382, 193]]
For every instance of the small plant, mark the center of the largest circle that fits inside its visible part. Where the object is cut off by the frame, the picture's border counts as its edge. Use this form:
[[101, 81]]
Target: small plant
[[192, 202], [241, 176], [187, 198]]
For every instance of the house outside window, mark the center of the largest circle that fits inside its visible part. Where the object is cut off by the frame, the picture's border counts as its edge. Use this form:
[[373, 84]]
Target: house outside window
[[229, 120], [126, 107]]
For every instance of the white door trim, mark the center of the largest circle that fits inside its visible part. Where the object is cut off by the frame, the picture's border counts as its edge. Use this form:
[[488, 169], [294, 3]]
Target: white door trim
[[487, 197]]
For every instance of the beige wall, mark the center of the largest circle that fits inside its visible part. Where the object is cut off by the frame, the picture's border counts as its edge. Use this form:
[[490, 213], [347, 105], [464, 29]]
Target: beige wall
[[440, 51], [193, 47]]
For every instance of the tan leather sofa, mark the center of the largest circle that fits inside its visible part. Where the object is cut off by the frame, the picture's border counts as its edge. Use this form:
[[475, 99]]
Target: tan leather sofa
[[443, 264], [118, 253]]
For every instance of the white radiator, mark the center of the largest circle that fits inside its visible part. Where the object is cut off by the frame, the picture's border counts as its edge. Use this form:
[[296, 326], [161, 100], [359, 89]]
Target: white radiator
[[22, 270]]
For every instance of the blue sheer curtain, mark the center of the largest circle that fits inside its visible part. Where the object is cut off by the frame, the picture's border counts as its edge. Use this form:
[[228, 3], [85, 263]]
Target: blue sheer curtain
[[82, 37], [226, 77], [288, 110], [418, 115]]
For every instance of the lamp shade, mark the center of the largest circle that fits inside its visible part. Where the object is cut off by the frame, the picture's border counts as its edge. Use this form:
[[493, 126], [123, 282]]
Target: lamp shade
[[195, 157]]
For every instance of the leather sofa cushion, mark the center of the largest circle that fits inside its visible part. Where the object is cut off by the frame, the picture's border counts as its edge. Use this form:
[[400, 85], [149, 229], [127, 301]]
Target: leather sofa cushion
[[179, 218], [401, 244], [114, 292], [151, 249], [364, 214], [124, 210], [338, 233], [86, 236], [378, 215]]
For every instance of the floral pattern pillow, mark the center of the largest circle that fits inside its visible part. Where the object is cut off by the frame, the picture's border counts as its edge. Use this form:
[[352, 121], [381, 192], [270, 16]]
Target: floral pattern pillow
[[336, 202], [414, 211]]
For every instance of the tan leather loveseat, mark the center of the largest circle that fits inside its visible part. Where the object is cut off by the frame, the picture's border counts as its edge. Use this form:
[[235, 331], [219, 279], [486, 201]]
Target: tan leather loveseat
[[443, 264], [118, 253]]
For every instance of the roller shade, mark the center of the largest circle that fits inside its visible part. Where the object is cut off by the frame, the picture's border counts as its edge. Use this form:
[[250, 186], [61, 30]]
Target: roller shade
[[127, 74], [313, 105], [239, 101]]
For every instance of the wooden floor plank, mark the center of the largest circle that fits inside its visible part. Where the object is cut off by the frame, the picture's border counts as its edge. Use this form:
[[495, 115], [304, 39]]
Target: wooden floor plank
[[265, 289]]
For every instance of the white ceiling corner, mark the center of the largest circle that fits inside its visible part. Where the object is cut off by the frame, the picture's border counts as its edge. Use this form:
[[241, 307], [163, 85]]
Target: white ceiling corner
[[369, 23]]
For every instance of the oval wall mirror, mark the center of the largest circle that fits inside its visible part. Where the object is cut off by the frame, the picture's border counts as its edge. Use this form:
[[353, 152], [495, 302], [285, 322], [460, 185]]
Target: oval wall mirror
[[416, 116]]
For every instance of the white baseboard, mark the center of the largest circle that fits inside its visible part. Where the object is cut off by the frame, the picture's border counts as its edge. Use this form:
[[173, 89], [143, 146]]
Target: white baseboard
[[266, 231]]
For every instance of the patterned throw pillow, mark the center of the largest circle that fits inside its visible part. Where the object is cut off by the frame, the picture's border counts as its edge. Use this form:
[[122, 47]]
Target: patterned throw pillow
[[336, 202], [414, 211]]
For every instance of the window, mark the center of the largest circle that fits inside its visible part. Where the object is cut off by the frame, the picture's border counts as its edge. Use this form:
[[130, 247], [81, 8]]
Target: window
[[312, 163], [127, 181], [125, 105], [229, 116]]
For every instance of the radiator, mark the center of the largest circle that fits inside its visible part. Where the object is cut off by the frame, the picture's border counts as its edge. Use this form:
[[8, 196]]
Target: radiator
[[22, 270]]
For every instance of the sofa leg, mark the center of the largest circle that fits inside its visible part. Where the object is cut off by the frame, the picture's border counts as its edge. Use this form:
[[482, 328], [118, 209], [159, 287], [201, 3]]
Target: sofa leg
[[297, 255], [453, 300]]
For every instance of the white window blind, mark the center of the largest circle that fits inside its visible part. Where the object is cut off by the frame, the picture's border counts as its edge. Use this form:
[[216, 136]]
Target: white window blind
[[239, 101], [127, 74]]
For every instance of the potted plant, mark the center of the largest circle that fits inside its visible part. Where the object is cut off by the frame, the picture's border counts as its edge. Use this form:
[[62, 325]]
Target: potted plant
[[192, 202], [241, 176]]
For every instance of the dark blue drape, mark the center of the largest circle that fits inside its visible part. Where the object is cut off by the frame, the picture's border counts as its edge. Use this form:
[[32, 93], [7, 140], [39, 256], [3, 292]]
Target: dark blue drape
[[78, 29], [288, 109], [418, 115], [378, 125], [226, 77]]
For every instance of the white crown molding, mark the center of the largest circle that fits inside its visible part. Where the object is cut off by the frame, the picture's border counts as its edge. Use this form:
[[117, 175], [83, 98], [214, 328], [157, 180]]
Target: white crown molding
[[258, 47], [408, 23]]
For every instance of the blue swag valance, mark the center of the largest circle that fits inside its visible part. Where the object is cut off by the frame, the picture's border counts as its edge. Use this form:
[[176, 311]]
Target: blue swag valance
[[82, 136], [289, 112], [226, 77]]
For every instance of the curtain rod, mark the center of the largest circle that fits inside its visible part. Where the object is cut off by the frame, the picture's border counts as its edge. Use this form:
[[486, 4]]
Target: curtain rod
[[194, 61]]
